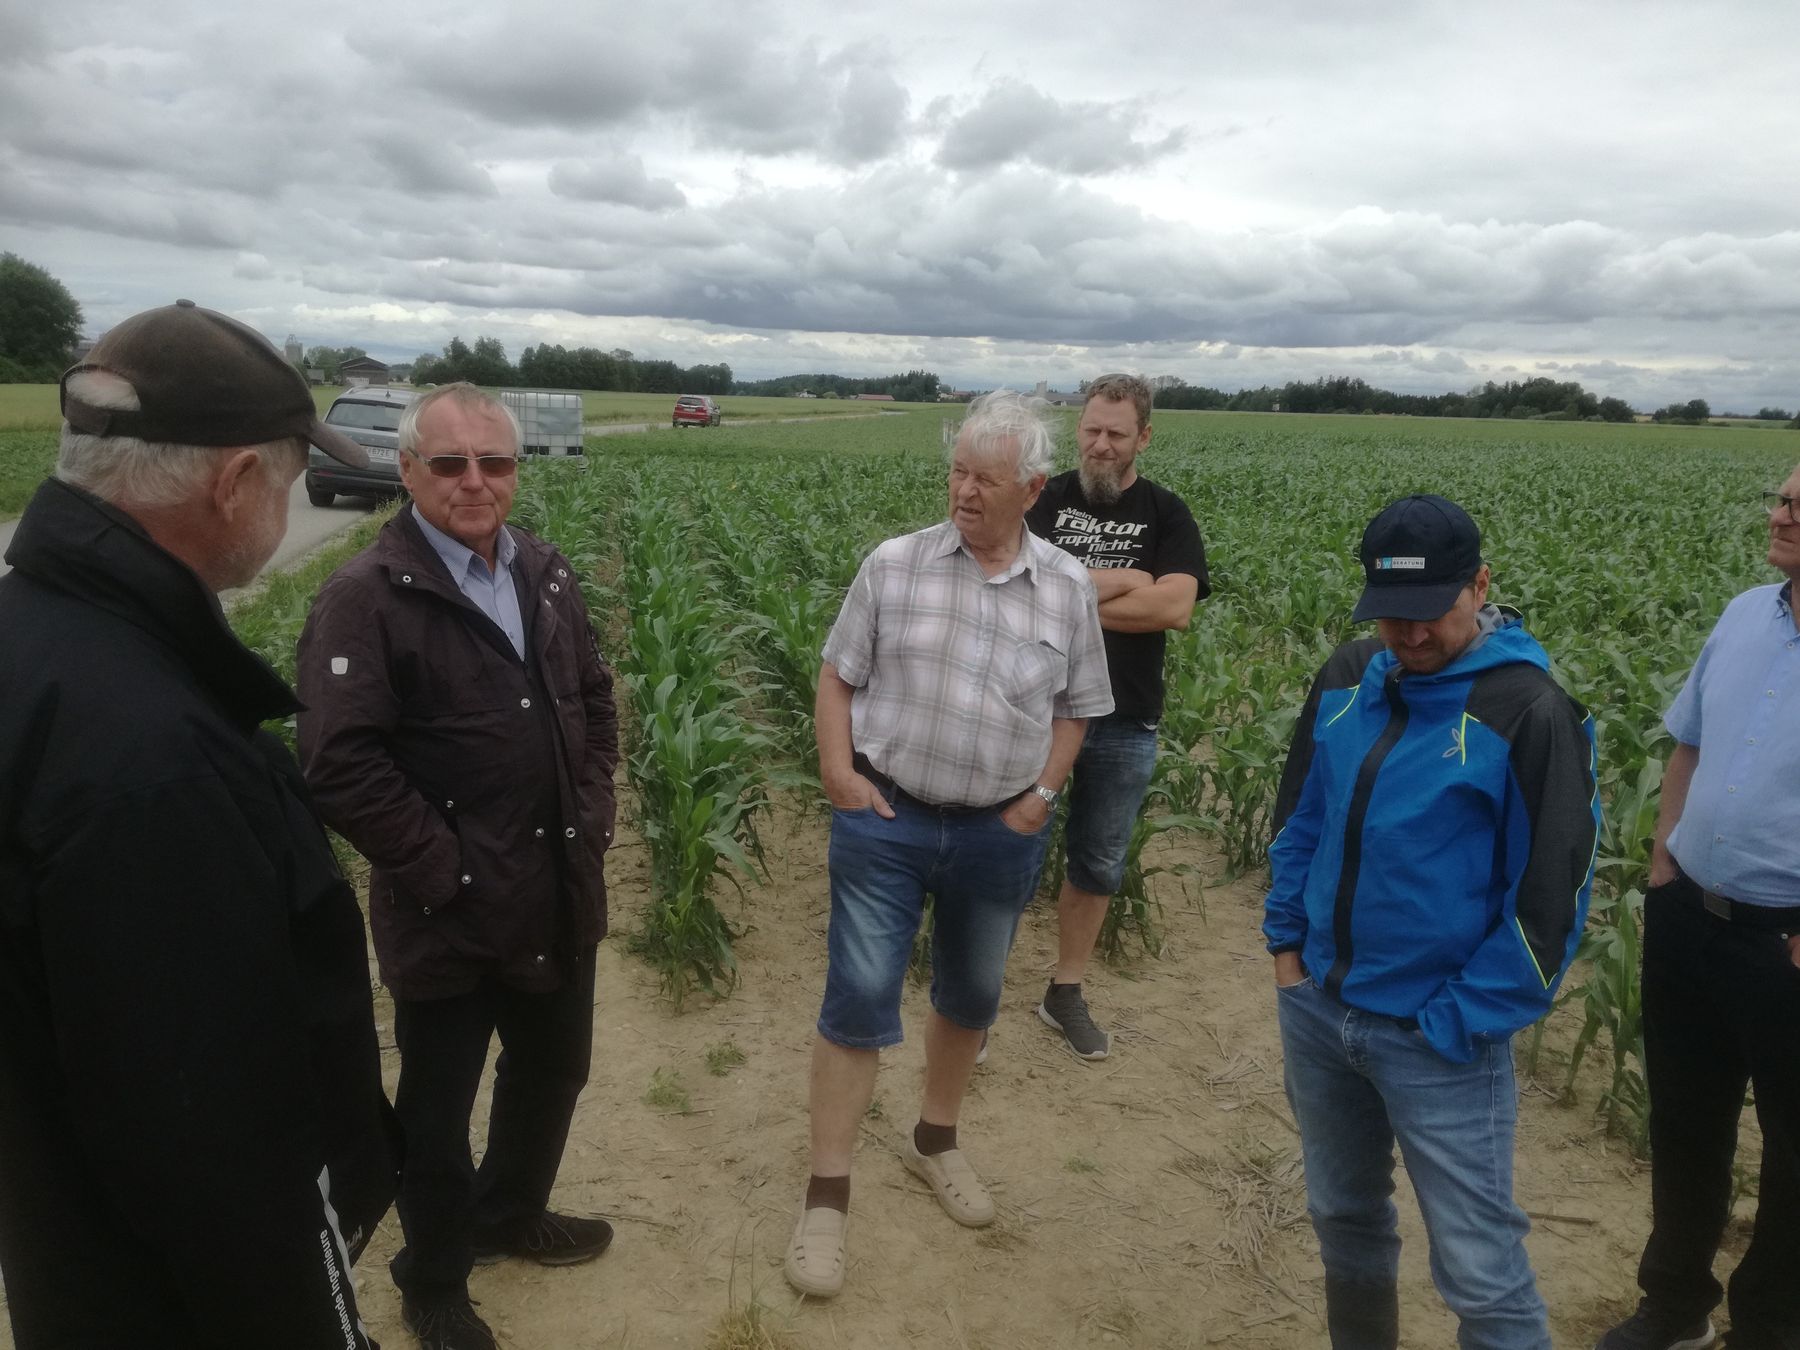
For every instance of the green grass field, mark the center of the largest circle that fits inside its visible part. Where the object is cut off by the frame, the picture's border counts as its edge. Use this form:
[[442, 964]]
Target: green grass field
[[28, 422]]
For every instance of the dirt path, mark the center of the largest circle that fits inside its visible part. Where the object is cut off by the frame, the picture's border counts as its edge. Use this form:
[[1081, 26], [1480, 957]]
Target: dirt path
[[1151, 1200], [629, 428]]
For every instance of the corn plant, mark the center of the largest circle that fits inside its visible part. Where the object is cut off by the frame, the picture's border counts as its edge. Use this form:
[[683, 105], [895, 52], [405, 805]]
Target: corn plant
[[697, 767], [1611, 1000]]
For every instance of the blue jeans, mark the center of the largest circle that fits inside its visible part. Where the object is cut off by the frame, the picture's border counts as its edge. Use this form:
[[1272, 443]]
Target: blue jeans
[[1106, 792], [1358, 1082], [982, 873]]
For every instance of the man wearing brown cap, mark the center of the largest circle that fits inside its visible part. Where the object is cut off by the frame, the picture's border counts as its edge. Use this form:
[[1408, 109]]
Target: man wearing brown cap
[[194, 1144], [1428, 881]]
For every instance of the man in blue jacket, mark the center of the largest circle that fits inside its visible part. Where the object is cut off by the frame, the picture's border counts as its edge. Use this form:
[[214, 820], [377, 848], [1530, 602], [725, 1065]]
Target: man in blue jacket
[[1434, 849]]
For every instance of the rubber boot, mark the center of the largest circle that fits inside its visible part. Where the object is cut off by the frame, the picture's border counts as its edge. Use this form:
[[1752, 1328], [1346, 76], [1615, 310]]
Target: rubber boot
[[1362, 1316]]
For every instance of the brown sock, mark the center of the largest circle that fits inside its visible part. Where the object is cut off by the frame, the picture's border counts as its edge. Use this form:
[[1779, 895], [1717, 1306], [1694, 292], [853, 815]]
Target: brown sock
[[828, 1193], [932, 1139]]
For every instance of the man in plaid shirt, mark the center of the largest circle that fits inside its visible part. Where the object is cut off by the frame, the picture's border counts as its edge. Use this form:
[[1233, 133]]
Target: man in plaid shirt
[[956, 688]]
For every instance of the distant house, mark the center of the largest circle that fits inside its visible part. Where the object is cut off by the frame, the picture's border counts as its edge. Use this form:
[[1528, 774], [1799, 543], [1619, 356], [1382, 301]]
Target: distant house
[[874, 398], [362, 370], [1057, 399], [315, 375]]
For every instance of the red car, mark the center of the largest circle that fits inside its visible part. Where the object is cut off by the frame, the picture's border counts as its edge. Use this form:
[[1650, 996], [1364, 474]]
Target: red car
[[696, 410]]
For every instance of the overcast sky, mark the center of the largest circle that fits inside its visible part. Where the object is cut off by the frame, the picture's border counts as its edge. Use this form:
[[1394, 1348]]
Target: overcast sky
[[1424, 194]]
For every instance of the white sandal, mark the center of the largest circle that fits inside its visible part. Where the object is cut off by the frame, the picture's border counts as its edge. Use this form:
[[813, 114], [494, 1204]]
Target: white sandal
[[816, 1257]]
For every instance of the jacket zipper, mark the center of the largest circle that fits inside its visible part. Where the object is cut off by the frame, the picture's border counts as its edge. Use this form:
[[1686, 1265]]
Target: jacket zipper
[[1353, 829]]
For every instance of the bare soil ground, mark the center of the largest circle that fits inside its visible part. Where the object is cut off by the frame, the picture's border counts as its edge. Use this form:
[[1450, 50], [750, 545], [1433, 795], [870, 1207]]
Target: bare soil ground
[[1151, 1200]]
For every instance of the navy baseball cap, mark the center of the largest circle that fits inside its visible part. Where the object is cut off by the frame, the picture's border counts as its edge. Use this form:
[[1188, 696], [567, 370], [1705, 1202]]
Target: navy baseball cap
[[1417, 555]]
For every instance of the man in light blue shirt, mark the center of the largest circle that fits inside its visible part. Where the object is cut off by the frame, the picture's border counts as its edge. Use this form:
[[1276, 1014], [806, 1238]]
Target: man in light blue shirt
[[1721, 989], [490, 590]]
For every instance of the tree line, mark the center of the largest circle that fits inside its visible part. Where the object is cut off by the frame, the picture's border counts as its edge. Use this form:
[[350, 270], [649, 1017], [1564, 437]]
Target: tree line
[[915, 386], [40, 324], [551, 365], [1538, 399]]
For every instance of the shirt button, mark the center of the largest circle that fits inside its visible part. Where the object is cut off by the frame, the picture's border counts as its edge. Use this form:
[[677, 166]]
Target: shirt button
[[561, 573], [554, 588], [539, 832], [449, 806], [467, 878], [1731, 789], [540, 959], [524, 703], [569, 833], [406, 577], [428, 909], [1718, 839]]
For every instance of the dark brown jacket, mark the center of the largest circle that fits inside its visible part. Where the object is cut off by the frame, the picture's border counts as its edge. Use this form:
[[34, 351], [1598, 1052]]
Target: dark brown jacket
[[478, 786]]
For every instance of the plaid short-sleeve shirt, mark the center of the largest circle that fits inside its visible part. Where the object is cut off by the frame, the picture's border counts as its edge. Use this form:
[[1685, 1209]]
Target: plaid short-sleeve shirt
[[958, 674]]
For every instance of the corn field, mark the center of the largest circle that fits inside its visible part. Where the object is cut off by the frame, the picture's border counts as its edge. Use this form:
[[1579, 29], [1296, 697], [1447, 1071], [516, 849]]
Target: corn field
[[716, 575]]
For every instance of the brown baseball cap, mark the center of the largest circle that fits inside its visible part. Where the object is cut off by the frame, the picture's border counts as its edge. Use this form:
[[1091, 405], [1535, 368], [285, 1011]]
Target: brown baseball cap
[[202, 378]]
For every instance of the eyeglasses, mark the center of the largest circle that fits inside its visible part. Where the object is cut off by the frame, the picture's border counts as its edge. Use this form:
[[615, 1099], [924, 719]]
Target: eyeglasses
[[1775, 501], [455, 466]]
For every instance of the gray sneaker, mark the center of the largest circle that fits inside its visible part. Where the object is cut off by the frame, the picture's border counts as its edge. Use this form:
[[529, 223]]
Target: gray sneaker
[[1064, 1010]]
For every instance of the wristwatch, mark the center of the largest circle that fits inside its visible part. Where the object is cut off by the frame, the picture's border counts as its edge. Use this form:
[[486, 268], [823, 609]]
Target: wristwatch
[[1048, 794]]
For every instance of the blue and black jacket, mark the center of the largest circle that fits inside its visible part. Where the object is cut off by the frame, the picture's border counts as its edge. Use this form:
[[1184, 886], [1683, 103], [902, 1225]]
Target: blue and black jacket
[[1435, 837]]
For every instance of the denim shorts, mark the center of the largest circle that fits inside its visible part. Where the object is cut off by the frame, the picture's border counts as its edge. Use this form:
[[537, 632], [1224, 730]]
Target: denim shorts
[[981, 873], [1106, 792]]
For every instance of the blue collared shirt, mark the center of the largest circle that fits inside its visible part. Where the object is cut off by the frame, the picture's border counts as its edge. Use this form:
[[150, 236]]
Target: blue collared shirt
[[493, 593], [1739, 833]]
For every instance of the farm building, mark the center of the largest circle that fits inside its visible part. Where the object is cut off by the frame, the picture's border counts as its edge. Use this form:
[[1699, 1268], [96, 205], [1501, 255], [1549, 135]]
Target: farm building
[[873, 398], [362, 370]]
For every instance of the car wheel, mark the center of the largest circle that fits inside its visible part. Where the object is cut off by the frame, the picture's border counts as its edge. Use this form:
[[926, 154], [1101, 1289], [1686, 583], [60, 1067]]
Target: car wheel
[[320, 496]]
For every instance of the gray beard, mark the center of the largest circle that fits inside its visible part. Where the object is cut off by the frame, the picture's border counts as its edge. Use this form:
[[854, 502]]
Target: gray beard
[[1100, 488]]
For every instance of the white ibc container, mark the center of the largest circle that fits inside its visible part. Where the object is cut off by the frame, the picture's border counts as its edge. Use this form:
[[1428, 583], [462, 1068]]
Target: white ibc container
[[549, 418]]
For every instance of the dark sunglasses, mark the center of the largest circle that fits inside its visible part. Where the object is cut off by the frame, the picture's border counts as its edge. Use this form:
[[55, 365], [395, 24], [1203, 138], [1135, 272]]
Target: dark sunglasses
[[455, 466]]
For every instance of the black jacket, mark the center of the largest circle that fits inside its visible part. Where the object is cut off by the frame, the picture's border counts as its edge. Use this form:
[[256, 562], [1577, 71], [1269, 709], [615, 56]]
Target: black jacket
[[478, 785], [192, 1125]]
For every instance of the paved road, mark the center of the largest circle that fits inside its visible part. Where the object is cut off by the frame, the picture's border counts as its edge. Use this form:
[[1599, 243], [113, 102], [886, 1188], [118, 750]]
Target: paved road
[[628, 428], [308, 526]]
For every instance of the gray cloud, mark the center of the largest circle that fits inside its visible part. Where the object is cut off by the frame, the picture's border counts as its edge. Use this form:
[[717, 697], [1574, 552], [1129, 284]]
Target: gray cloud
[[1408, 193], [1015, 122], [733, 85], [418, 165], [616, 178]]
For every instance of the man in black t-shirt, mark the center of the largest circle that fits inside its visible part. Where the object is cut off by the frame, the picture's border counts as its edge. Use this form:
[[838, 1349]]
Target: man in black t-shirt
[[1144, 555]]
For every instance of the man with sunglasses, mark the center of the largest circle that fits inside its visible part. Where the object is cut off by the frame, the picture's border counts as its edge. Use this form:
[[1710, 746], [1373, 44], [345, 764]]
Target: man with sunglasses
[[460, 731], [1721, 984]]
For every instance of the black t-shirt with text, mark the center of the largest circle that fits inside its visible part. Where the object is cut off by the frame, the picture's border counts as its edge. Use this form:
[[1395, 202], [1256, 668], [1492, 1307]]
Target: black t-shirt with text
[[1148, 528]]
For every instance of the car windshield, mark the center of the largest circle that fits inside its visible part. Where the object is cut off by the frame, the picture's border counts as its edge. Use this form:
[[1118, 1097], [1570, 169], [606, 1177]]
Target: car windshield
[[366, 416]]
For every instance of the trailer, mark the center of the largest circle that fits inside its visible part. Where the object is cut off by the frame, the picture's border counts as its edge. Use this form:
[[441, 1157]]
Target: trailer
[[549, 418]]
